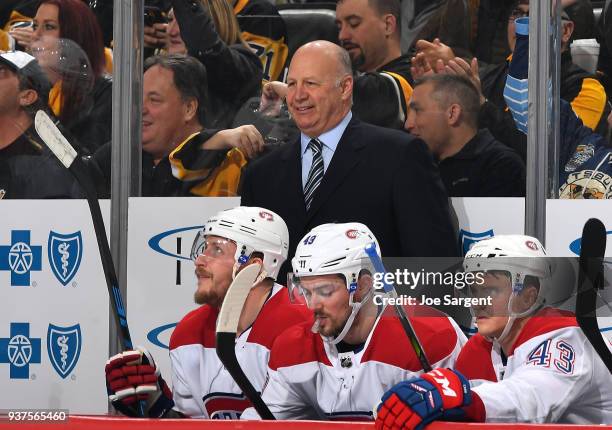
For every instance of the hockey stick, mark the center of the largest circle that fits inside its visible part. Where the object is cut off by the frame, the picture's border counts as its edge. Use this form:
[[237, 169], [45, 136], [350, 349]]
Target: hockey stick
[[227, 326], [590, 278], [57, 143], [399, 309]]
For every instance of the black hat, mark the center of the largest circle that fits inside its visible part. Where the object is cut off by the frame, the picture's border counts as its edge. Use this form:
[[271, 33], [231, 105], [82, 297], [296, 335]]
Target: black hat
[[26, 66]]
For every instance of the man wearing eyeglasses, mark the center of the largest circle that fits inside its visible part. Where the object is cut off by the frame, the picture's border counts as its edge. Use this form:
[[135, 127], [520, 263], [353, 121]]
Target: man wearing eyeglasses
[[202, 387], [335, 368]]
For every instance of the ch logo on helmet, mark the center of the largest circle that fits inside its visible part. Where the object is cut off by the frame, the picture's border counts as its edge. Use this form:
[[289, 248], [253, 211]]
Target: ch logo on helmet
[[352, 234], [65, 253], [531, 245], [266, 215]]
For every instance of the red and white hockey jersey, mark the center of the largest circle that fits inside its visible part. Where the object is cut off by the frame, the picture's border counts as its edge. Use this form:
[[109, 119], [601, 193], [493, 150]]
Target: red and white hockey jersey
[[552, 374], [310, 379], [201, 386]]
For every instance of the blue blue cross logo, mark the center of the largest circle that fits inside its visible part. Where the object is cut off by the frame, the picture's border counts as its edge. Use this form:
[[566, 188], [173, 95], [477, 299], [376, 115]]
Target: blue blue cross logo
[[19, 350], [20, 258]]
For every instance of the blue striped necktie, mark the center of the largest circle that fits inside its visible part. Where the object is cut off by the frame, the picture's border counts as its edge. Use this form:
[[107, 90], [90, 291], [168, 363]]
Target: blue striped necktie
[[315, 175]]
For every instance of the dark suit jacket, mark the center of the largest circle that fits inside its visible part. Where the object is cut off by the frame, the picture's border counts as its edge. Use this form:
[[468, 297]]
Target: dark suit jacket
[[383, 178]]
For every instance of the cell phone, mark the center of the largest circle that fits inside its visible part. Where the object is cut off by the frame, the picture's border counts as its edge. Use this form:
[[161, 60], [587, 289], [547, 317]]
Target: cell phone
[[154, 15]]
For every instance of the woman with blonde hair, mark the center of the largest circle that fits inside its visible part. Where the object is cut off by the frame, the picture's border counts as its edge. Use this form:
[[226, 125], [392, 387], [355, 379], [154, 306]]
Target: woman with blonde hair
[[209, 31]]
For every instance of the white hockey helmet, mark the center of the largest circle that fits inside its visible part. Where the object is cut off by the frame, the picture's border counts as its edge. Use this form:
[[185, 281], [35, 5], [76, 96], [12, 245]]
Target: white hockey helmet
[[253, 229], [334, 249], [517, 254]]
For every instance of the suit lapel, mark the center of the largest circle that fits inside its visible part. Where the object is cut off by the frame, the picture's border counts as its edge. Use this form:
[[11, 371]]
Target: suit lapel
[[345, 158]]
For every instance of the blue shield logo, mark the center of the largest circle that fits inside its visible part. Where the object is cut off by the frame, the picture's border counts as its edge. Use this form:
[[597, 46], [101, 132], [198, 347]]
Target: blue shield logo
[[64, 347], [65, 252], [468, 239]]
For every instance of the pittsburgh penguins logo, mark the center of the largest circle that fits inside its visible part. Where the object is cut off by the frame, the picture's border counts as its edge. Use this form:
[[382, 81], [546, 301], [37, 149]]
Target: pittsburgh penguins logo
[[587, 184]]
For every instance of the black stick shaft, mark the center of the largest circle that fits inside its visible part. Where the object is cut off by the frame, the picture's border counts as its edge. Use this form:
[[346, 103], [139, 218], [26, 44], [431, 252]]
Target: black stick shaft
[[226, 350]]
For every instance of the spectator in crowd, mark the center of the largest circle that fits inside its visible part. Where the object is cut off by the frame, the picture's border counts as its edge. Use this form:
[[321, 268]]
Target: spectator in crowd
[[489, 30], [28, 170], [490, 21], [578, 87], [16, 24], [208, 31], [444, 113], [85, 112], [369, 30], [585, 93], [263, 29], [584, 170], [259, 24], [448, 20], [180, 157], [342, 169]]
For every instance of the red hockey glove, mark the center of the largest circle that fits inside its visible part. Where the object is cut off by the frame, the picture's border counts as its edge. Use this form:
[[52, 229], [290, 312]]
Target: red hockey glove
[[132, 379]]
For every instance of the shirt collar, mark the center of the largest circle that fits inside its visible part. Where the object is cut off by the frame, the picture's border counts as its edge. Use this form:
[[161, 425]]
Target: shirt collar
[[330, 138]]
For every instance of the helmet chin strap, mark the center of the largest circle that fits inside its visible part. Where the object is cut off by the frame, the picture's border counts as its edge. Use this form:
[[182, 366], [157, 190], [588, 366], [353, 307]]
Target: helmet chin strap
[[513, 316], [355, 308]]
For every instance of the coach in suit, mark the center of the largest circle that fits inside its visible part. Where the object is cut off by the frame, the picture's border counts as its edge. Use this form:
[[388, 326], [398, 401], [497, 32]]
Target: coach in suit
[[345, 170]]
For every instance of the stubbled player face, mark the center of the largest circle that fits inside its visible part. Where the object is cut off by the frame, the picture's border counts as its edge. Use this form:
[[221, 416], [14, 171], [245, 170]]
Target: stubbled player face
[[329, 300], [214, 271]]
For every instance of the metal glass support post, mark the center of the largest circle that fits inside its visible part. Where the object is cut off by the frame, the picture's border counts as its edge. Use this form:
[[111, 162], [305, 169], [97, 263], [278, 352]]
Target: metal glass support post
[[126, 146], [543, 114]]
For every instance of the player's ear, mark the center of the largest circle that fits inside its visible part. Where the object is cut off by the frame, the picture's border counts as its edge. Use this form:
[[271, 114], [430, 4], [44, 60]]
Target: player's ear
[[364, 285], [527, 297], [256, 257]]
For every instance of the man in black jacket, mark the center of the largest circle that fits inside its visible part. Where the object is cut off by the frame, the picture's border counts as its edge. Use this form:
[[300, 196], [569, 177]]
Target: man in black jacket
[[27, 169], [444, 113], [342, 169]]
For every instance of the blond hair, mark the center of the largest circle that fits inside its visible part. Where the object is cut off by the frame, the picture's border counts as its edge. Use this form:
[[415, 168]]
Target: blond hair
[[225, 21]]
